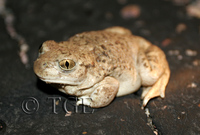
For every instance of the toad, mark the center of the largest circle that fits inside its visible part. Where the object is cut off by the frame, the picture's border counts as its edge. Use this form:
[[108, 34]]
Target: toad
[[98, 66]]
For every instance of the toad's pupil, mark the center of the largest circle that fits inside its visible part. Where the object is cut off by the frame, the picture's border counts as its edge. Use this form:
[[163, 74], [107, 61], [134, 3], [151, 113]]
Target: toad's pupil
[[67, 64]]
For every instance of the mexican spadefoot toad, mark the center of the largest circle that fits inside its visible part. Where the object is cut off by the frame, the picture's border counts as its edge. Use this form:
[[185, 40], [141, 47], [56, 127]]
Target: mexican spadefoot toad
[[97, 66]]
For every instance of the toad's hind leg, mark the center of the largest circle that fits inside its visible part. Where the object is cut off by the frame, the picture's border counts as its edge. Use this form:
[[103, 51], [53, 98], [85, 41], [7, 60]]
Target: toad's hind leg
[[154, 71]]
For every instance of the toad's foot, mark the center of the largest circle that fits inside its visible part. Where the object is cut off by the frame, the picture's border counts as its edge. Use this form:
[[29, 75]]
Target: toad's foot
[[85, 100], [104, 93], [154, 71], [158, 89]]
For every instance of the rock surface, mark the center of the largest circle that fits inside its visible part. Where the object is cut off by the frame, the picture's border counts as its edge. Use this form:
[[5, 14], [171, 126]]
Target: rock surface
[[38, 21]]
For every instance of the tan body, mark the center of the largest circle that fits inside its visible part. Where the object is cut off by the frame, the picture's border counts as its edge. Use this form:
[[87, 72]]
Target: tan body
[[104, 64]]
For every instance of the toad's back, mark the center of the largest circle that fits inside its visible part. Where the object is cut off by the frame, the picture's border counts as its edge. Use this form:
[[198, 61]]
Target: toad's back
[[110, 50]]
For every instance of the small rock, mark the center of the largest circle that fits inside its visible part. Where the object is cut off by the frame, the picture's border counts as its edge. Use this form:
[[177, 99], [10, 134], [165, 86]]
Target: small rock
[[164, 107], [180, 28], [196, 62], [147, 112], [194, 9], [179, 57], [192, 85], [69, 113], [130, 11], [84, 133], [190, 52], [57, 102], [122, 119], [166, 42], [173, 52]]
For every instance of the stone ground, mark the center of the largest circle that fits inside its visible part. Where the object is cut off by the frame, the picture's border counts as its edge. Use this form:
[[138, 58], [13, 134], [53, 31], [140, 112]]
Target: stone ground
[[37, 21]]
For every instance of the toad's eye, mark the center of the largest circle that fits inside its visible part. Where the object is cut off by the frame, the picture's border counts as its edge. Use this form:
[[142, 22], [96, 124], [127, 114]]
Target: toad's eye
[[67, 64]]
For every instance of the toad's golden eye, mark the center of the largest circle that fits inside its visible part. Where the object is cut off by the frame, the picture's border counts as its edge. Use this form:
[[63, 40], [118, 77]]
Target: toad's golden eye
[[67, 64]]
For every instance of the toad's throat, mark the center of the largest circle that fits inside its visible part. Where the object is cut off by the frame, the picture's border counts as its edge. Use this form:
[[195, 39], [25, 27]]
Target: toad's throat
[[72, 90]]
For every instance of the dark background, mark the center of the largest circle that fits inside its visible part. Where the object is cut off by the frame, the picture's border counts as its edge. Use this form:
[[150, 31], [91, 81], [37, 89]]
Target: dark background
[[38, 21]]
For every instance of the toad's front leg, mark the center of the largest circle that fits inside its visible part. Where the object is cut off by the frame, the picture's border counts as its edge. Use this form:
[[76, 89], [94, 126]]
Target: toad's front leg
[[104, 93]]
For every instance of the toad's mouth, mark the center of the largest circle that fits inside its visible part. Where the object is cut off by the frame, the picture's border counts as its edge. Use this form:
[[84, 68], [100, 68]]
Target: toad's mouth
[[58, 81], [62, 84], [58, 85]]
